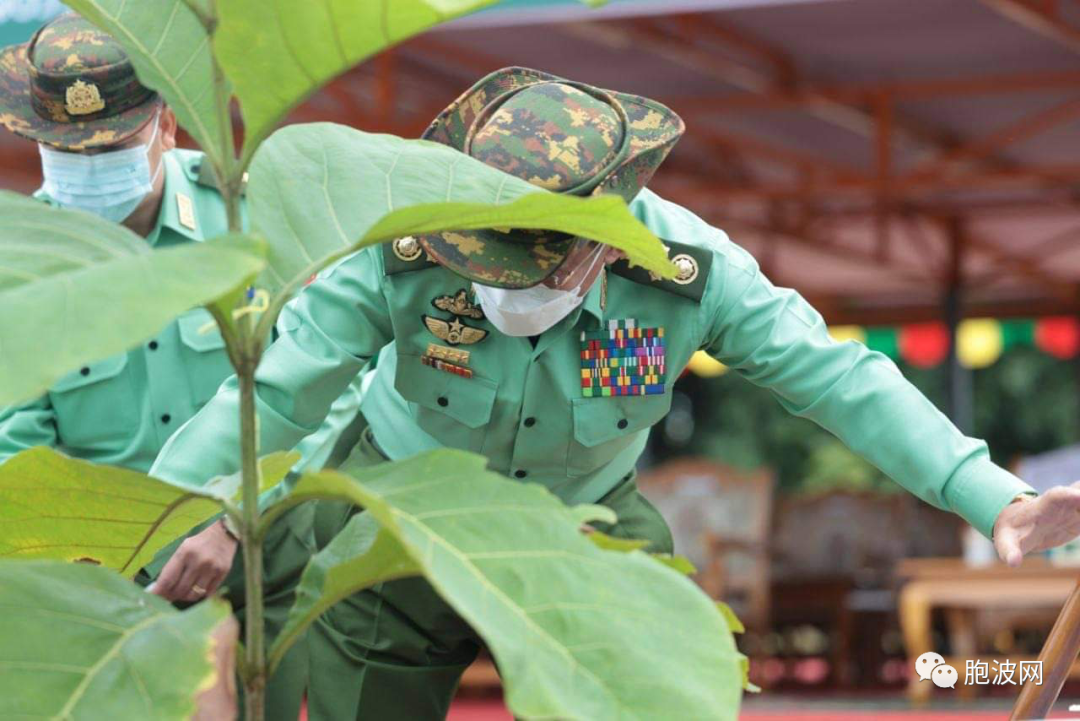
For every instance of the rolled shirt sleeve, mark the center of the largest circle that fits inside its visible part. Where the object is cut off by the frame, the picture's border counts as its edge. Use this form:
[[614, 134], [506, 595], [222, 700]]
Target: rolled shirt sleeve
[[775, 339], [326, 335], [25, 426]]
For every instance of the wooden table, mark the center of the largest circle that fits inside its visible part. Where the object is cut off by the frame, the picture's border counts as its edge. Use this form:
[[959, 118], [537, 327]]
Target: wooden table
[[961, 590]]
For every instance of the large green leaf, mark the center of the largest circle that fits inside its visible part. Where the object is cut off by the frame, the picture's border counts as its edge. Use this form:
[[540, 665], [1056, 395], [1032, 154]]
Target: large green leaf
[[170, 50], [278, 53], [319, 191], [578, 632], [79, 642], [56, 507], [75, 288], [360, 556]]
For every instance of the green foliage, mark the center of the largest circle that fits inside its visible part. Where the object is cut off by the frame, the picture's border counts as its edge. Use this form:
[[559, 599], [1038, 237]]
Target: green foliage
[[81, 643], [68, 282], [360, 556], [78, 641], [833, 466], [580, 639], [1026, 403], [56, 507], [276, 54], [170, 49]]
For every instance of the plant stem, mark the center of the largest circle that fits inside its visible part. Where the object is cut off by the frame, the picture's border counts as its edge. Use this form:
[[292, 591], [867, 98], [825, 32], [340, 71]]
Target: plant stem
[[245, 359], [254, 652]]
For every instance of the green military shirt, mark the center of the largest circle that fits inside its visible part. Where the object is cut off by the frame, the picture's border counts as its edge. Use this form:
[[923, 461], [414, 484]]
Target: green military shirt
[[525, 407], [121, 410]]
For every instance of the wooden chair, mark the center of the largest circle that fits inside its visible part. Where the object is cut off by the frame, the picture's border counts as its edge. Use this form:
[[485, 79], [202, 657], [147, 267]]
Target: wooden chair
[[721, 519]]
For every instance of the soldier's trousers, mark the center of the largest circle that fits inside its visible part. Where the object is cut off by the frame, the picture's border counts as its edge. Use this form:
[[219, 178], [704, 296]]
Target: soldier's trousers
[[397, 651], [287, 549]]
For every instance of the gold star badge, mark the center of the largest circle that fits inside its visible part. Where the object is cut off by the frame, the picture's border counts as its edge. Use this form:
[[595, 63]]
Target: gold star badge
[[454, 331]]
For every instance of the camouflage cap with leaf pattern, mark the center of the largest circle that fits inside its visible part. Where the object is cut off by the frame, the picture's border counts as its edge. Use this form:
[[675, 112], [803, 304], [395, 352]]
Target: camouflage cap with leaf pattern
[[557, 134], [72, 87]]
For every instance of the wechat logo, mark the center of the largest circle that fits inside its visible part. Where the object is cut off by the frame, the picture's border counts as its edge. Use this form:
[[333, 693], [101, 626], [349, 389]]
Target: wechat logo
[[931, 666]]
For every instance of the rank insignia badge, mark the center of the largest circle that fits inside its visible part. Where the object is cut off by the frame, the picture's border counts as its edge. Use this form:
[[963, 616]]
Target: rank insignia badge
[[459, 304], [454, 331], [450, 355], [445, 366], [622, 360]]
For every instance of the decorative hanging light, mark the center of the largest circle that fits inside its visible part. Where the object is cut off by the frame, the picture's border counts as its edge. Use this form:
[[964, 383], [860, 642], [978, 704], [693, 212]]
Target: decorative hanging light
[[841, 333], [979, 342], [924, 345], [883, 340], [1058, 336]]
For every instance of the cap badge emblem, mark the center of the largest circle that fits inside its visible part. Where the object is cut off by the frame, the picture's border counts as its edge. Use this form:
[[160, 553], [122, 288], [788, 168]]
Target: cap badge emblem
[[83, 99]]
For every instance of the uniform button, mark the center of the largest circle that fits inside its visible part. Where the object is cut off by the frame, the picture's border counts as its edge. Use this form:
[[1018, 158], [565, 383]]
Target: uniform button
[[520, 473], [166, 418], [623, 423], [84, 371], [444, 401], [153, 345], [530, 422]]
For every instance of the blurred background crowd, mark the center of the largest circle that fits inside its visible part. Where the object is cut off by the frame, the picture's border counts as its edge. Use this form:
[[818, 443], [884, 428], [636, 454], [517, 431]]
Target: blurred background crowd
[[910, 166]]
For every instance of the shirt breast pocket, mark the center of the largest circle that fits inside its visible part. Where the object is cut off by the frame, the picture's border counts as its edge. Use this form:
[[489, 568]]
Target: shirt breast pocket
[[452, 409], [205, 360], [604, 427], [96, 406]]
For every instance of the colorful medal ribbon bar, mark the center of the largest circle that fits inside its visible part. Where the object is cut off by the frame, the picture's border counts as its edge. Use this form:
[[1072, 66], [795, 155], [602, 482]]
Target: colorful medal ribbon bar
[[623, 360], [446, 367]]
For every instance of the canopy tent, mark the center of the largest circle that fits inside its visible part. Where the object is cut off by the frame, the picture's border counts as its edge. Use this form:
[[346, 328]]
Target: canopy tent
[[878, 155], [532, 12]]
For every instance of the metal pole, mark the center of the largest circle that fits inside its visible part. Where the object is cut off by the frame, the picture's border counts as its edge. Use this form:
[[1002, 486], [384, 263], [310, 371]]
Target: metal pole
[[958, 389]]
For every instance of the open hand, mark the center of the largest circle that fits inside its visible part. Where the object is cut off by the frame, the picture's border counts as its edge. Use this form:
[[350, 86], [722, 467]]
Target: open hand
[[198, 567], [1043, 522]]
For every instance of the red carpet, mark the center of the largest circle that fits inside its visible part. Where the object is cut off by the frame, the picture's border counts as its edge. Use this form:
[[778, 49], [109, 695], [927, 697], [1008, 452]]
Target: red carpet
[[495, 711]]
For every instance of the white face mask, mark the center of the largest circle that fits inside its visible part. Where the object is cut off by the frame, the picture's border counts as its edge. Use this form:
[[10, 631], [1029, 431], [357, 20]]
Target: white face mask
[[110, 184], [532, 311]]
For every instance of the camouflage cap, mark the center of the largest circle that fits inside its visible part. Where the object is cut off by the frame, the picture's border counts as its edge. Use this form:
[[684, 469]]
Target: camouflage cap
[[557, 134], [72, 87]]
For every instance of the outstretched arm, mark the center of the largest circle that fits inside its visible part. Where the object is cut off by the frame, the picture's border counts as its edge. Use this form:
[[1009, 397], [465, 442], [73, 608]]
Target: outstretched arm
[[326, 336], [774, 338]]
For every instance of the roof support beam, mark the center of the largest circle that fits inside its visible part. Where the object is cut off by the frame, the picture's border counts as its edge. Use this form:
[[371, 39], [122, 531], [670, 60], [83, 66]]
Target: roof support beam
[[1040, 17], [863, 93], [1023, 129], [1041, 177]]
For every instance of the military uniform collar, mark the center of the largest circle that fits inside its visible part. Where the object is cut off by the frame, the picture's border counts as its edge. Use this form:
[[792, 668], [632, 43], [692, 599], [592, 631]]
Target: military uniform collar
[[178, 210], [592, 304]]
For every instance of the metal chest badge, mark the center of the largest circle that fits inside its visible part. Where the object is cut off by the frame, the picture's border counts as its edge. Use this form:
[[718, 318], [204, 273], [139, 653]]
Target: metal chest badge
[[623, 360], [455, 332]]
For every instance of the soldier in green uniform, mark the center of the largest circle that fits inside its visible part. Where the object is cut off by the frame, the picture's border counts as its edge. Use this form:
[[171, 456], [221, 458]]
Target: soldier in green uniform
[[553, 357], [108, 147]]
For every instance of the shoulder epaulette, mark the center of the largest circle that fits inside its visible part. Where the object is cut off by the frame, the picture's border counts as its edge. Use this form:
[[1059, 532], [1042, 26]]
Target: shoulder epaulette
[[204, 176], [694, 264], [404, 255]]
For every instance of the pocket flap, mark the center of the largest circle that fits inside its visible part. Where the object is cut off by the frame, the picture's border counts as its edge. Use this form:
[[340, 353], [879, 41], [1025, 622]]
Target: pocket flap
[[599, 420], [91, 373], [191, 322], [467, 400]]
